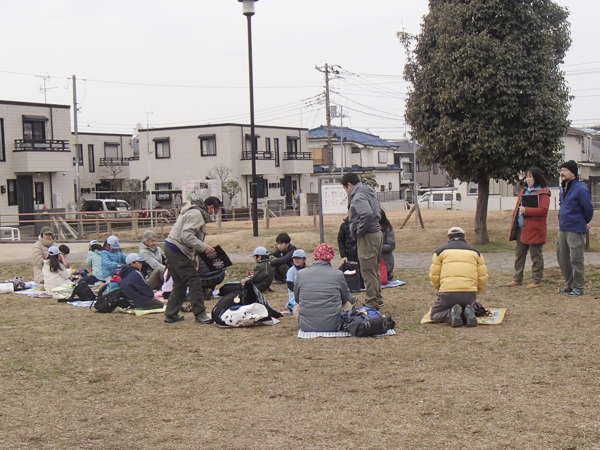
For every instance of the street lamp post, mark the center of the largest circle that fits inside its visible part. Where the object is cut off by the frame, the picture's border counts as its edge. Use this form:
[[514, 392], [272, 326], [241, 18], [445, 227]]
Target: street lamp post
[[248, 11]]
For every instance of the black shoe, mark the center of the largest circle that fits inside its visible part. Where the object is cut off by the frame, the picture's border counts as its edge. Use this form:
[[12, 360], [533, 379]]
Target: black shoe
[[204, 318], [173, 319], [470, 317], [455, 316]]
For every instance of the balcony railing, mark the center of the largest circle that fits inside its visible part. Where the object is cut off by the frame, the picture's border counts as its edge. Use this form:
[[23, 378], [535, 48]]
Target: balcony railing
[[297, 155], [118, 161], [40, 145], [247, 155]]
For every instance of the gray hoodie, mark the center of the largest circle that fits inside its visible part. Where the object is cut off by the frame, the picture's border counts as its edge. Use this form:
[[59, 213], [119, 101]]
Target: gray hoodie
[[189, 231], [364, 213]]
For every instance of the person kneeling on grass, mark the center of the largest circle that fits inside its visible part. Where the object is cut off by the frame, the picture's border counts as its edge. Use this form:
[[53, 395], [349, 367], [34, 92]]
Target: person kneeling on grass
[[458, 272], [138, 293], [321, 293]]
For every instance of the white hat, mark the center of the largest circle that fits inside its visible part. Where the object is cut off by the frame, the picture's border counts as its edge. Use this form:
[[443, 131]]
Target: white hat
[[113, 241], [260, 251], [94, 242], [133, 257], [456, 230], [53, 250]]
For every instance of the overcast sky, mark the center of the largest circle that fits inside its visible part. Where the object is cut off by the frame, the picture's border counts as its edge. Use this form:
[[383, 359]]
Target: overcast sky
[[186, 61]]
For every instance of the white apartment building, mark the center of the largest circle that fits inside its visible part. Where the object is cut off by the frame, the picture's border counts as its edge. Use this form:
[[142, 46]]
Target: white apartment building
[[189, 153], [35, 158]]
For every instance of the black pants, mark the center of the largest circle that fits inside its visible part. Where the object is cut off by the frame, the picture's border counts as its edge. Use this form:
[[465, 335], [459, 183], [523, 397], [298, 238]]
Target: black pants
[[184, 275]]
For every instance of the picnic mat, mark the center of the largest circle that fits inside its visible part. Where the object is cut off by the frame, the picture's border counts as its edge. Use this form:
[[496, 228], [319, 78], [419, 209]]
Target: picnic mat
[[391, 284], [142, 312], [334, 334], [495, 319]]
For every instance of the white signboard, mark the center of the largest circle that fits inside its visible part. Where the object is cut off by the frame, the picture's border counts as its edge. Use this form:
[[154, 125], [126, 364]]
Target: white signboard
[[191, 190], [334, 198]]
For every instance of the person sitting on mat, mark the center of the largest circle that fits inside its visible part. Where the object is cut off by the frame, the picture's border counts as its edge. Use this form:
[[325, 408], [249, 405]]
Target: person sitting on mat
[[54, 272], [138, 293], [263, 272], [458, 273]]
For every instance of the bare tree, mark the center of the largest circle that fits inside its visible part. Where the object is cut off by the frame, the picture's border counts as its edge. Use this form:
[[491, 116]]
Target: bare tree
[[113, 172]]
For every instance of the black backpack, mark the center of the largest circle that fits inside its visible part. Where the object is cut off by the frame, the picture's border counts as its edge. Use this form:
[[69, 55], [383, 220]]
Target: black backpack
[[107, 303], [82, 291], [365, 322], [247, 295]]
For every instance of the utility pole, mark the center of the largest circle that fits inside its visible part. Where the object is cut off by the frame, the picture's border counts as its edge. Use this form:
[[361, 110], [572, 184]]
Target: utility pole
[[148, 113], [78, 189], [328, 148]]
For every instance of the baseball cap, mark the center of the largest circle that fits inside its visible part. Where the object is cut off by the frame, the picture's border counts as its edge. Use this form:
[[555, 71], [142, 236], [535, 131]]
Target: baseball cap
[[456, 230], [53, 250], [133, 257], [113, 241], [94, 242], [299, 253], [260, 251]]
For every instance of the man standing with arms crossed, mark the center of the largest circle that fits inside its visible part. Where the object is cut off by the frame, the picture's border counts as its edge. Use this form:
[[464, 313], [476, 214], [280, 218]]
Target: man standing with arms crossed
[[574, 217], [184, 242], [363, 216]]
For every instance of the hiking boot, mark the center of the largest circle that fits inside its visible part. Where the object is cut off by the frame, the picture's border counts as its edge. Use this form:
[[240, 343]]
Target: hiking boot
[[574, 293], [534, 284], [455, 318], [469, 314], [173, 319], [514, 283], [565, 289], [204, 318]]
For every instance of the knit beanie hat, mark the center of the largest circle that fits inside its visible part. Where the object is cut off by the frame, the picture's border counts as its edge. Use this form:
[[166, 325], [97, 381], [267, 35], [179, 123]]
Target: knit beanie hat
[[571, 166], [323, 252]]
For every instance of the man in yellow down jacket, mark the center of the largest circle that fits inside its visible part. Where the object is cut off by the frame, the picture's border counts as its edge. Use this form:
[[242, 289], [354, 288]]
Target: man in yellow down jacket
[[458, 272]]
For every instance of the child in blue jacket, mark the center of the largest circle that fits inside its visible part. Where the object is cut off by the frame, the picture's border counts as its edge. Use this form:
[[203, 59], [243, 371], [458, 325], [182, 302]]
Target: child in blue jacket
[[112, 257]]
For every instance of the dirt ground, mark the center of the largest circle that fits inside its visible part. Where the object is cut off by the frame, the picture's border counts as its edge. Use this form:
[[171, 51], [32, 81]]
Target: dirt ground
[[73, 379]]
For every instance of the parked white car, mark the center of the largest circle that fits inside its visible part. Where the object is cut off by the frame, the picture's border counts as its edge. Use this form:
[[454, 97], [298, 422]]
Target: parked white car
[[113, 208], [440, 200]]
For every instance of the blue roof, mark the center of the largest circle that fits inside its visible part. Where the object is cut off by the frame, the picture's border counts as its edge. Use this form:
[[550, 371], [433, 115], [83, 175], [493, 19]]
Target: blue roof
[[349, 135]]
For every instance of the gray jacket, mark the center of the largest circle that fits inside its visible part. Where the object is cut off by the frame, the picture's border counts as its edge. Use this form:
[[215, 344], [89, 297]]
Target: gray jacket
[[189, 231], [320, 291], [155, 257], [364, 213], [389, 244]]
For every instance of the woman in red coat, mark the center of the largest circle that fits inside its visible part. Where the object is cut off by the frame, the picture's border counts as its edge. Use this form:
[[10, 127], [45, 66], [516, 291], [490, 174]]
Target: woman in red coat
[[528, 227]]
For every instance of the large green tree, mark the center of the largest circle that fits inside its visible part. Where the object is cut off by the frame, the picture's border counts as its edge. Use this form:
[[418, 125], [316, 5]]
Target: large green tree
[[488, 96]]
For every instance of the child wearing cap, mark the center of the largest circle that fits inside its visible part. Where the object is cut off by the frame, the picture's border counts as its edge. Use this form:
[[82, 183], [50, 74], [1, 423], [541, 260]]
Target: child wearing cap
[[94, 263], [299, 259], [112, 257], [263, 272], [138, 293], [54, 272], [40, 252]]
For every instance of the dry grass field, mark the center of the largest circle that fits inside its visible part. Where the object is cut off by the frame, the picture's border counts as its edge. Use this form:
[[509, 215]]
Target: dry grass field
[[73, 379]]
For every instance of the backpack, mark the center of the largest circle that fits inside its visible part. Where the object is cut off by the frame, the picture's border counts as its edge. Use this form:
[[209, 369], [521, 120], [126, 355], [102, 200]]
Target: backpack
[[480, 311], [109, 298], [82, 291], [366, 321], [249, 294]]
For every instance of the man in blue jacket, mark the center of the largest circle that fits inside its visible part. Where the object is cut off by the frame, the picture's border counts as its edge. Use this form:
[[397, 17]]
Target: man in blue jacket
[[138, 293], [574, 217]]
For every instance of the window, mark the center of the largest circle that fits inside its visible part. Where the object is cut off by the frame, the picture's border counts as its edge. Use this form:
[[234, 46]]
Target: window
[[12, 192], [282, 186], [383, 157], [34, 128], [79, 151], [426, 198], [390, 186], [355, 150], [2, 148], [163, 187], [472, 188], [438, 197], [208, 145], [265, 188], [91, 160], [268, 145], [111, 150], [458, 197], [292, 144], [276, 145], [39, 193], [448, 197], [435, 168], [162, 149], [249, 143]]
